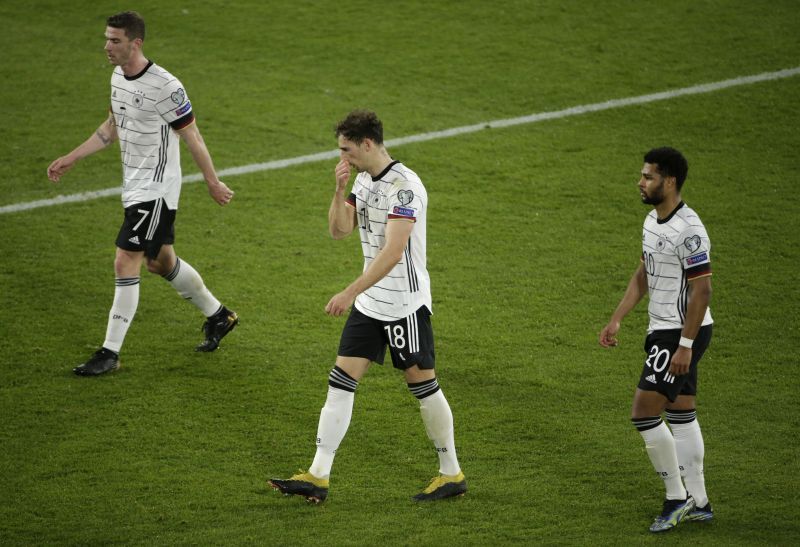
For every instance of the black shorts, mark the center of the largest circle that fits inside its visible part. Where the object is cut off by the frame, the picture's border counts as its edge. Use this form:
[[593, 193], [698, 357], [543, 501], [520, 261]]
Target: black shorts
[[147, 226], [659, 346], [410, 340]]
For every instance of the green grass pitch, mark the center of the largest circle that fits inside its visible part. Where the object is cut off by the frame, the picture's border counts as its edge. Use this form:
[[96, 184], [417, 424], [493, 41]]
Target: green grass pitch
[[533, 233]]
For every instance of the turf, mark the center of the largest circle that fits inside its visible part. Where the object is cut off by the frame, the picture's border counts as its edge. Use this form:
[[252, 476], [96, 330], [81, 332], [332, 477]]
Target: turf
[[533, 233]]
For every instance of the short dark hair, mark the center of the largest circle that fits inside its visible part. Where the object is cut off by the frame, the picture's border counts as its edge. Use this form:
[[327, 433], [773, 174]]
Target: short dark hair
[[669, 163], [130, 21], [360, 125]]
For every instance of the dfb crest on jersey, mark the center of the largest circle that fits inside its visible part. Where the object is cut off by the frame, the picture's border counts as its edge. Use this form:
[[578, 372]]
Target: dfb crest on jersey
[[178, 96], [405, 196], [692, 243], [661, 243], [137, 100]]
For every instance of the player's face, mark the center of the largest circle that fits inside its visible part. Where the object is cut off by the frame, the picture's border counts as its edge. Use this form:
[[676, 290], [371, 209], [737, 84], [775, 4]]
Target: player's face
[[118, 47], [354, 154], [651, 185]]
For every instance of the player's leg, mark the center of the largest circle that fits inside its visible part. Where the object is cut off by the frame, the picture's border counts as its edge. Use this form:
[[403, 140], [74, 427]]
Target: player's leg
[[656, 388], [682, 417], [127, 265], [360, 344], [334, 418], [436, 415], [659, 442], [410, 341], [660, 446], [188, 283], [690, 449], [438, 419]]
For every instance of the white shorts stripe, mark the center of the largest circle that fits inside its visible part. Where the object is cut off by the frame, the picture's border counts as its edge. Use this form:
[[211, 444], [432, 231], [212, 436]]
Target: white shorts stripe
[[154, 219], [413, 333]]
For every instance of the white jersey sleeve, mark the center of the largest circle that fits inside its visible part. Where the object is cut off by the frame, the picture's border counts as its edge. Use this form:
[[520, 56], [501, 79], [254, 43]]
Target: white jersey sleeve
[[694, 251], [404, 203], [174, 106]]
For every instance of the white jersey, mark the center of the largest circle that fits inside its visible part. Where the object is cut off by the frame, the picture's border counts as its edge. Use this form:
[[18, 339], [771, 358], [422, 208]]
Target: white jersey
[[396, 193], [146, 108], [675, 250]]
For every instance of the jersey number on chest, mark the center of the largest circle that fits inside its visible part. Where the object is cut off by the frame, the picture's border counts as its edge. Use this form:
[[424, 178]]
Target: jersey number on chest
[[363, 219]]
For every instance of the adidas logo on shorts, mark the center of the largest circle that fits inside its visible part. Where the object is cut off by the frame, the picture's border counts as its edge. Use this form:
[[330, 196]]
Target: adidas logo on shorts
[[135, 240], [652, 379]]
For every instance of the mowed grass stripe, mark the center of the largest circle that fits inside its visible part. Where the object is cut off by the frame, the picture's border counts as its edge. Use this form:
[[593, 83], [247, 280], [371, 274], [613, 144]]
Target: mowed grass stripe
[[433, 135]]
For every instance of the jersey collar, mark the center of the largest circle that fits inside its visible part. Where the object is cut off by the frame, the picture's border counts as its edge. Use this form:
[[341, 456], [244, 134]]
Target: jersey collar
[[669, 216], [137, 76], [386, 170]]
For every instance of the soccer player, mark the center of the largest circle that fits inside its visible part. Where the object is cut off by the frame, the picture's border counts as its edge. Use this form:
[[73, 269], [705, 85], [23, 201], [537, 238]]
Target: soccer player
[[391, 305], [675, 270], [149, 111]]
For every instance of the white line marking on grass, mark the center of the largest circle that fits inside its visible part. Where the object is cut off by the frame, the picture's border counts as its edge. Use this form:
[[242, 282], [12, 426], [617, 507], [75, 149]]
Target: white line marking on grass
[[422, 137]]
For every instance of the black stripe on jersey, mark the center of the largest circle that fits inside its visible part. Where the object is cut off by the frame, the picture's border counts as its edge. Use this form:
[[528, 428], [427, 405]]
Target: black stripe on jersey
[[129, 155], [378, 312], [162, 155], [413, 282], [683, 298], [397, 170], [663, 318], [365, 293], [656, 289], [351, 199], [141, 169], [129, 130], [385, 289], [123, 138]]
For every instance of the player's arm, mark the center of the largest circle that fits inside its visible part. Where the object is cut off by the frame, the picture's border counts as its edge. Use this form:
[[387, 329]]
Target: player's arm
[[197, 146], [699, 299], [341, 215], [637, 288], [102, 138], [397, 233]]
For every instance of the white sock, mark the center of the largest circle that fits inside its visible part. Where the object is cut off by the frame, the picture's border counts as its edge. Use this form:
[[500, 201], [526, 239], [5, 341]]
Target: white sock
[[189, 285], [661, 448], [334, 419], [126, 300], [690, 449], [438, 420]]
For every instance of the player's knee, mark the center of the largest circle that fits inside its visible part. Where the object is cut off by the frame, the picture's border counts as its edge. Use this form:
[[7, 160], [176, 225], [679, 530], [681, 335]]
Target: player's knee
[[126, 266], [155, 267]]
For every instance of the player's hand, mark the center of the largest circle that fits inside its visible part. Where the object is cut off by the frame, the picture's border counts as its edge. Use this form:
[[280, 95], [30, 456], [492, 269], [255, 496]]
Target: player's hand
[[608, 336], [339, 304], [60, 166], [342, 173], [681, 359], [220, 192]]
